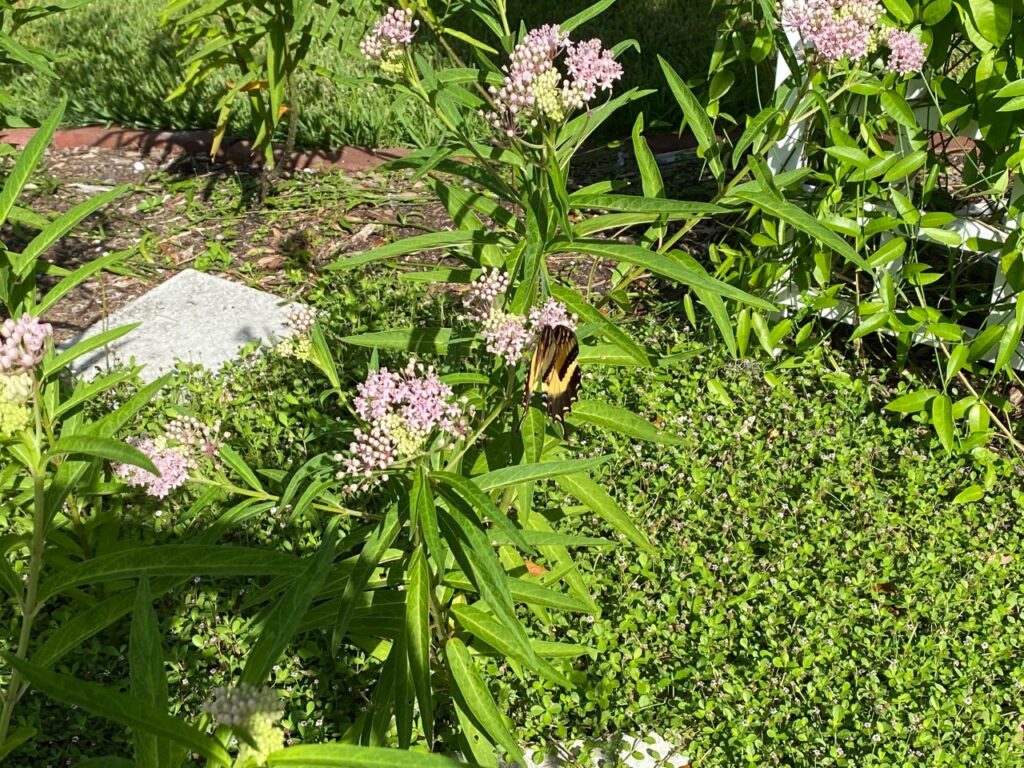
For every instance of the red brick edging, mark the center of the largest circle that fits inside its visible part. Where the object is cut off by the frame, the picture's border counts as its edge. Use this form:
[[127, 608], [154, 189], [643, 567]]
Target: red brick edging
[[236, 152], [166, 144]]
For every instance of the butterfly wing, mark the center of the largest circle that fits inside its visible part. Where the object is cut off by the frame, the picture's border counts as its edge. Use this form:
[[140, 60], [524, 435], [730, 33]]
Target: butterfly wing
[[562, 379], [542, 357]]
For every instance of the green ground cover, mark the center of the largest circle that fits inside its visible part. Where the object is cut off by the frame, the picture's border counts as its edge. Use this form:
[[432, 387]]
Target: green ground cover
[[817, 597], [117, 65]]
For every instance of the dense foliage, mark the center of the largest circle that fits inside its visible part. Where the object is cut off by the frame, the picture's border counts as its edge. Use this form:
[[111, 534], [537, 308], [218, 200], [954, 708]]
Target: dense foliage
[[370, 536]]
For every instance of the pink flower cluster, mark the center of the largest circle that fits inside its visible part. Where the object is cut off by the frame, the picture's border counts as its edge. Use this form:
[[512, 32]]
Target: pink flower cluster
[[22, 344], [171, 463], [552, 314], [505, 334], [906, 52], [387, 41], [535, 89], [850, 29], [402, 410], [185, 442], [301, 319], [837, 29], [195, 437]]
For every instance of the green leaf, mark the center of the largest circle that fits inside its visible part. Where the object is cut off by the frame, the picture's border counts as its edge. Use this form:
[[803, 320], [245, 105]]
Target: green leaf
[[232, 458], [1010, 339], [58, 362], [87, 270], [715, 306], [322, 357], [520, 473], [660, 264], [354, 756], [148, 678], [585, 15], [894, 105], [469, 688], [606, 354], [604, 506], [59, 227], [590, 314], [621, 420], [483, 625], [424, 513], [650, 174], [282, 622], [417, 244], [905, 166], [900, 10], [942, 420], [81, 626], [1011, 90], [103, 448], [189, 560], [27, 161], [720, 393], [382, 538], [912, 402], [486, 512], [15, 739], [417, 340], [417, 627], [127, 710], [799, 218], [992, 18], [527, 592], [972, 493], [472, 550], [696, 117]]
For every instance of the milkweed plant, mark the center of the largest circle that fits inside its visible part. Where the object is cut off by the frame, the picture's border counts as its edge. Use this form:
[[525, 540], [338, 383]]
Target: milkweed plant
[[432, 542]]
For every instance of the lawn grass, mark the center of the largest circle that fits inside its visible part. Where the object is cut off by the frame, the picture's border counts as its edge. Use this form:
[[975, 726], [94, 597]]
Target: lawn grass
[[817, 597], [117, 65]]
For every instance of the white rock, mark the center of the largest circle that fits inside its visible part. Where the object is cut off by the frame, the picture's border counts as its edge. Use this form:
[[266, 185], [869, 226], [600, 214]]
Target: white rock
[[194, 318]]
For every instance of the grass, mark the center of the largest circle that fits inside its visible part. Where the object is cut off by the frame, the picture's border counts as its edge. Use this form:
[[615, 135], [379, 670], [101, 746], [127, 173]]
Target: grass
[[117, 66], [816, 599]]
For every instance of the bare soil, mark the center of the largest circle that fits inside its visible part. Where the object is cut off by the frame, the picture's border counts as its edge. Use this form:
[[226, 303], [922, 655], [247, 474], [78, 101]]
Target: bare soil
[[181, 211]]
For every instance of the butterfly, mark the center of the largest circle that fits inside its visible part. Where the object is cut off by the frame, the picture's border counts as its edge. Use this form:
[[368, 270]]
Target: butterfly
[[554, 366]]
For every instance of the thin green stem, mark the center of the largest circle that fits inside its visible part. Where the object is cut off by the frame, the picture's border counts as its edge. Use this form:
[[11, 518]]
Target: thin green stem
[[29, 605]]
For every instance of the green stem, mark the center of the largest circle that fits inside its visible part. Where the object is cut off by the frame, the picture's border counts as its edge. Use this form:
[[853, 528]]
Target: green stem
[[29, 606]]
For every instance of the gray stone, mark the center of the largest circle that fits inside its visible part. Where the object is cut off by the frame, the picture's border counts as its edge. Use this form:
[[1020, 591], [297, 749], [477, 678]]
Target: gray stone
[[194, 318]]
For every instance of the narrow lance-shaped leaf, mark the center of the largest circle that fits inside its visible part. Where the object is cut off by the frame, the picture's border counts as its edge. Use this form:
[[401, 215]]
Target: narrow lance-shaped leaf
[[281, 623], [27, 161], [473, 551], [416, 244], [188, 560], [103, 448], [148, 677], [475, 700], [417, 629], [481, 504], [370, 556], [355, 756], [119, 707], [484, 626], [519, 473], [579, 306], [604, 506], [620, 420], [660, 264]]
